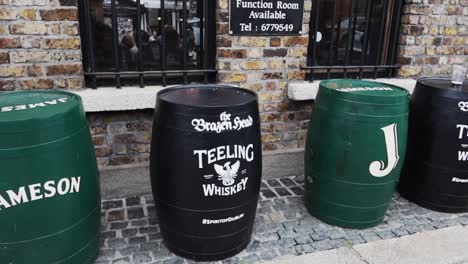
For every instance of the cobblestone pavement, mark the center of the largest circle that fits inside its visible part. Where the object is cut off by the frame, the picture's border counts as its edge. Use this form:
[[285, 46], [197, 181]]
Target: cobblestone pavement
[[130, 232]]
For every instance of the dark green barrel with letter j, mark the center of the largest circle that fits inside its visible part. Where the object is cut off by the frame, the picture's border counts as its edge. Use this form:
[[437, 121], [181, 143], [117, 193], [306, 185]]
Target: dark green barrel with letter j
[[355, 151], [49, 185]]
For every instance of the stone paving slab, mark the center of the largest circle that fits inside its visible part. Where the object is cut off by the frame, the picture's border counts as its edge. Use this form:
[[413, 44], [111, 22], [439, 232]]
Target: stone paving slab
[[283, 227], [447, 245], [344, 255]]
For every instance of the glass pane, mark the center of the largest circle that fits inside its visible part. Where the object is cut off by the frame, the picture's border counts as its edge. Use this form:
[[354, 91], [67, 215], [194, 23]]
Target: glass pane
[[103, 41], [174, 38], [342, 26], [130, 49]]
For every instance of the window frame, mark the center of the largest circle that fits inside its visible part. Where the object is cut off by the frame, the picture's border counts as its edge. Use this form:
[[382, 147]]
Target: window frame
[[205, 71], [383, 67]]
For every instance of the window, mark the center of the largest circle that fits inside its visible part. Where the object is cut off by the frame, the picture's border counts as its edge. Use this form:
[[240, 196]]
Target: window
[[353, 38], [128, 42]]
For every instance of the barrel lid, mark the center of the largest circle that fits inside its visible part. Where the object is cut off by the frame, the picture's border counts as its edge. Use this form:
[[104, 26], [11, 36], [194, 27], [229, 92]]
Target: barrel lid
[[442, 87], [364, 91], [207, 96], [35, 117], [443, 83], [22, 106]]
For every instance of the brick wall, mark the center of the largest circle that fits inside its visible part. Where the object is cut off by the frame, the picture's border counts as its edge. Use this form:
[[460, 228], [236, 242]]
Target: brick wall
[[121, 138], [434, 36], [266, 65], [39, 45]]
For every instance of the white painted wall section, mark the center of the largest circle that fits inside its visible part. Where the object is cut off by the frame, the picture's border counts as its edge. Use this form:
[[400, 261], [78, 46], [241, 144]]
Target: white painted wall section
[[113, 99], [136, 98], [303, 90]]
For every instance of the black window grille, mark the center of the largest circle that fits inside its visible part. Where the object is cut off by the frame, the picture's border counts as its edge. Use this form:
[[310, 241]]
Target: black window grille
[[353, 39], [128, 42]]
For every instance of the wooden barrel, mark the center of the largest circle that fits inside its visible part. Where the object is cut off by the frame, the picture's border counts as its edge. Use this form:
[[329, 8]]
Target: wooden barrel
[[355, 151], [436, 170], [49, 185], [206, 165]]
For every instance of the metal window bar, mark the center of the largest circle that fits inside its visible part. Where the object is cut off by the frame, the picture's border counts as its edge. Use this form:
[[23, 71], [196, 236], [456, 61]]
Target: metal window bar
[[351, 32], [163, 42], [89, 42], [115, 34], [140, 78], [203, 69], [354, 29], [359, 67], [395, 28], [366, 35], [205, 39], [185, 36], [332, 40], [381, 37], [316, 5]]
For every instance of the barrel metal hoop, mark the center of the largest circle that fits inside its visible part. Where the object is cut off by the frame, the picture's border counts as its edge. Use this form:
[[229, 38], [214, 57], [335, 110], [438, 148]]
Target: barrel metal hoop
[[215, 210], [202, 237], [360, 207], [56, 233], [47, 143]]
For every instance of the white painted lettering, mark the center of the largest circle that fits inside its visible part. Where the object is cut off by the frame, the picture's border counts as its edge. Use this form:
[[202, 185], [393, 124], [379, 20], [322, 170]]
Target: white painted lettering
[[50, 188], [20, 107], [39, 191], [19, 197], [220, 151], [225, 124], [224, 152], [7, 109], [363, 89], [230, 155], [35, 190], [3, 202], [211, 156], [53, 102], [61, 189], [279, 15], [255, 4], [462, 130], [377, 168], [458, 180], [75, 185], [200, 157], [462, 155], [32, 106], [250, 153], [281, 5], [213, 190], [222, 221]]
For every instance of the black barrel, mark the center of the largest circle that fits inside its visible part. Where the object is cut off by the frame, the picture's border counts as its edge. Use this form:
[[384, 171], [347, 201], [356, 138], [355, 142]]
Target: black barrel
[[436, 169], [206, 166]]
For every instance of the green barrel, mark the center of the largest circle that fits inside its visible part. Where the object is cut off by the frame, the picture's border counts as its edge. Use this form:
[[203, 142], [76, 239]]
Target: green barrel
[[355, 151], [49, 185]]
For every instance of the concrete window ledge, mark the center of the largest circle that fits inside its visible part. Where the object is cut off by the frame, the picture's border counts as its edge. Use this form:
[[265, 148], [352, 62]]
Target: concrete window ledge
[[135, 98], [304, 90], [113, 99]]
